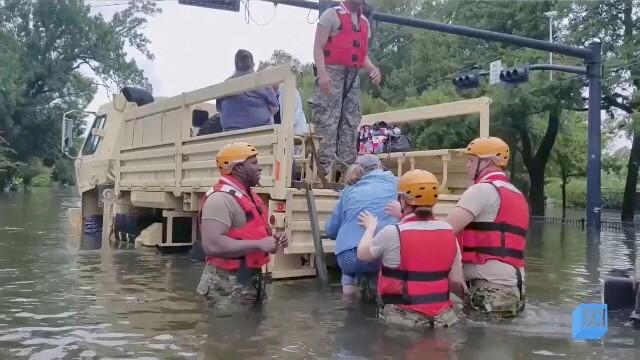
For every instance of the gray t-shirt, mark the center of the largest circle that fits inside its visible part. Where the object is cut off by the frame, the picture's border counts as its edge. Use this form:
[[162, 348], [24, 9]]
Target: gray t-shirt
[[330, 20], [224, 208]]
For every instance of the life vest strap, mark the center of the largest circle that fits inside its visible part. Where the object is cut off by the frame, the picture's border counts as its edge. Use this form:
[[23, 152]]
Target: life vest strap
[[405, 275], [495, 251], [501, 227], [400, 299]]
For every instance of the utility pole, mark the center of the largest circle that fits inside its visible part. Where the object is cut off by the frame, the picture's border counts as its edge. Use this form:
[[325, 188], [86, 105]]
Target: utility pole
[[550, 15]]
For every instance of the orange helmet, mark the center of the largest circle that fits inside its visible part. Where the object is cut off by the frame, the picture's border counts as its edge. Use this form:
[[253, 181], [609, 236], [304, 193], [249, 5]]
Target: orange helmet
[[491, 148], [232, 154], [420, 187]]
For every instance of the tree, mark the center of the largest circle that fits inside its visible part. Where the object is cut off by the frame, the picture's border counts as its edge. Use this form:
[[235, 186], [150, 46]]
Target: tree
[[617, 22], [57, 53], [569, 157]]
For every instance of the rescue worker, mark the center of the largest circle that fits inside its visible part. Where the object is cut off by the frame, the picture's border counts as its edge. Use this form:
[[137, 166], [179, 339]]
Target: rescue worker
[[340, 50], [492, 217], [236, 238], [421, 260]]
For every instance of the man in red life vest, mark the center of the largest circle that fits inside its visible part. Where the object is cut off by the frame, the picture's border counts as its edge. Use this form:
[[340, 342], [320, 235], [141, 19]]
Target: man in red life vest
[[420, 257], [491, 219], [236, 238], [340, 50]]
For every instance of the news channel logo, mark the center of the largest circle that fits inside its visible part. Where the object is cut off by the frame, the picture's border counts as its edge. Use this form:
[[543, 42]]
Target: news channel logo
[[589, 322]]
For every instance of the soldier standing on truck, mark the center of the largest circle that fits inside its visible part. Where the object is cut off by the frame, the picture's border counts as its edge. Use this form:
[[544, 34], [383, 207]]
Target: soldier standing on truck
[[340, 49], [236, 237]]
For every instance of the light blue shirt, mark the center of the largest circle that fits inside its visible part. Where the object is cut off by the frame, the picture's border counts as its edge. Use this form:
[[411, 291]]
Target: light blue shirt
[[371, 193]]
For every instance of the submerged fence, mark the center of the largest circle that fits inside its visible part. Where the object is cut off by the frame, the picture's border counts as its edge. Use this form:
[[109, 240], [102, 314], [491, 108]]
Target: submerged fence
[[581, 223]]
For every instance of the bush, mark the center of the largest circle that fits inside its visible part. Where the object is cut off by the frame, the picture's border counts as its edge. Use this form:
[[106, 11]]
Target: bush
[[42, 180]]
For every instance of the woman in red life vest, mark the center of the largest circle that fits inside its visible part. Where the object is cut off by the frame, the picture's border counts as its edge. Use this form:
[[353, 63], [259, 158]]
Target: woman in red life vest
[[491, 219], [421, 261], [236, 237]]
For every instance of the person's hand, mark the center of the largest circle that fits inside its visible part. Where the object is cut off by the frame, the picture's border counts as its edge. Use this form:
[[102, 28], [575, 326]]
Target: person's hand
[[367, 220], [375, 75], [394, 209], [282, 240], [324, 82], [269, 244]]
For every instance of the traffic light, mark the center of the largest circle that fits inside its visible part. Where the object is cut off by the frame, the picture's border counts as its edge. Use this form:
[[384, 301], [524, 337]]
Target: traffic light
[[231, 5], [515, 75], [468, 80]]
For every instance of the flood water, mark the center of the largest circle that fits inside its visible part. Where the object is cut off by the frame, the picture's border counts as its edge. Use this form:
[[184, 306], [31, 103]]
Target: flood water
[[66, 298]]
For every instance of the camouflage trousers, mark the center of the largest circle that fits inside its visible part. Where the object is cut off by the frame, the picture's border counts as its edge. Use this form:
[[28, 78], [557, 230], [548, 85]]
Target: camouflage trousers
[[226, 291], [338, 137], [496, 299], [393, 314]]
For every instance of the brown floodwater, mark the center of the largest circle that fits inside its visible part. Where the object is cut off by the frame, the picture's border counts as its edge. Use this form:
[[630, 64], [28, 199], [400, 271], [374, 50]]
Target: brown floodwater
[[67, 297]]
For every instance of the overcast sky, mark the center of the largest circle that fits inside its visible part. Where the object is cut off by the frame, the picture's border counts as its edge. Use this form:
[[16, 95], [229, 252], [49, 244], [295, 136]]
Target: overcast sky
[[194, 47]]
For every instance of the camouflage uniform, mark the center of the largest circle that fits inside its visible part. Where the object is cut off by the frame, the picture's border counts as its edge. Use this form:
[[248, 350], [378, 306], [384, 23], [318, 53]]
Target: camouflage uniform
[[325, 115], [226, 291], [396, 315], [496, 299]]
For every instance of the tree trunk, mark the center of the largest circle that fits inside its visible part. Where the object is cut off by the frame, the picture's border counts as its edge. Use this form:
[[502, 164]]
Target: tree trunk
[[564, 198], [629, 198], [537, 163]]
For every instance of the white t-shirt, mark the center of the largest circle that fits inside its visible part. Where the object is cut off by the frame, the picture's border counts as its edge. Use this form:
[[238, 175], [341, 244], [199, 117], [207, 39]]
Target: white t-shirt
[[482, 200]]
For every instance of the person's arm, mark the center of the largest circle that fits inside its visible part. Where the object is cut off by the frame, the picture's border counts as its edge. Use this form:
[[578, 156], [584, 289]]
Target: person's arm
[[459, 218], [374, 71], [272, 101], [332, 225], [216, 243], [370, 223], [322, 36], [456, 276]]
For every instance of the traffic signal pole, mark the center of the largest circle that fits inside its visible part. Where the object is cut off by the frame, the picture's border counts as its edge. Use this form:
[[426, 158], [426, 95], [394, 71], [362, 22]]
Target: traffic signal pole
[[592, 56]]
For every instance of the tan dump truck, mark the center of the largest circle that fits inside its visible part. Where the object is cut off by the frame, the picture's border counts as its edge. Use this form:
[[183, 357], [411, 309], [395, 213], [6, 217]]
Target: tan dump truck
[[143, 169]]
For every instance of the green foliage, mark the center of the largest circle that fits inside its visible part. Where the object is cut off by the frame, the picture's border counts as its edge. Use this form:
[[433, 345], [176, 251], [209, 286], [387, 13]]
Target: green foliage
[[32, 170], [569, 155], [54, 55]]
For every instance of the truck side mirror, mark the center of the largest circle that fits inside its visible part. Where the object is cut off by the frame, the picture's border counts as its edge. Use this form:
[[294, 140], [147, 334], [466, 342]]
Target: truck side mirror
[[67, 135]]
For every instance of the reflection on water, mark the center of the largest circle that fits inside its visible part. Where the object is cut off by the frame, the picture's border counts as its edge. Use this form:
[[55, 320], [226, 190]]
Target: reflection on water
[[67, 297]]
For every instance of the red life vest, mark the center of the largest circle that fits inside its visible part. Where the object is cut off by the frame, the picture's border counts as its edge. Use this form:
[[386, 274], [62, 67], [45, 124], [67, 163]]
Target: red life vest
[[350, 45], [256, 227], [505, 238], [421, 282]]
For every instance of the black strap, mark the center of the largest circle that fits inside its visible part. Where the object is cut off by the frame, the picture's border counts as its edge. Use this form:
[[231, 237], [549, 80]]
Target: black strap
[[415, 299], [414, 275], [519, 281], [502, 227], [495, 251]]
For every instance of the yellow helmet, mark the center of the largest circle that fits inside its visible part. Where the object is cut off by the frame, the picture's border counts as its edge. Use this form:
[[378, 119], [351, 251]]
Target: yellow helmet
[[492, 148], [232, 154], [420, 187]]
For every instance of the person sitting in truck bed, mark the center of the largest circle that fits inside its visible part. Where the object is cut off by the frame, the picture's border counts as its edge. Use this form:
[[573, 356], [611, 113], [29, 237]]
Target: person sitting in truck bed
[[370, 192], [248, 109]]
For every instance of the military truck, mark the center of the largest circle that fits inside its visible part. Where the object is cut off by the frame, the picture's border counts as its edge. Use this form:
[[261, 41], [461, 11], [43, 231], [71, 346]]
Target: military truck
[[143, 168]]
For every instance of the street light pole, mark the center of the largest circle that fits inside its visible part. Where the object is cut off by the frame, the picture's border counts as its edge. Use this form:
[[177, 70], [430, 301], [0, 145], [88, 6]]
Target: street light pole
[[550, 15]]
